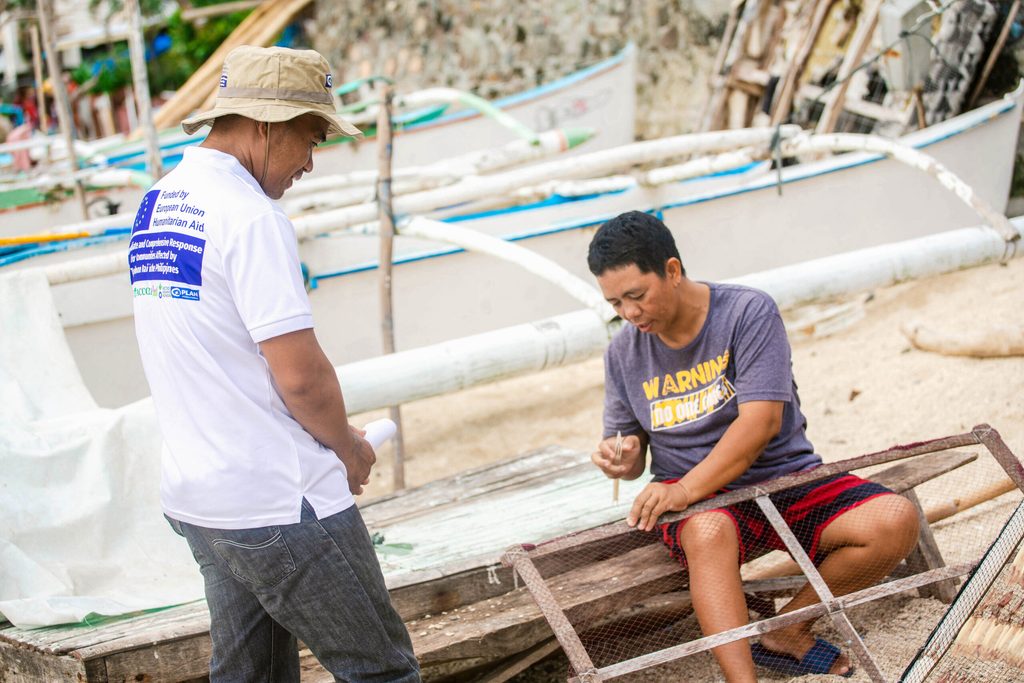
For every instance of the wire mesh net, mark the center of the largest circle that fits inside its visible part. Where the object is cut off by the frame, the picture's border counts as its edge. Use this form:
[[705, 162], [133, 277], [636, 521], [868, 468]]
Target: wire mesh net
[[852, 565]]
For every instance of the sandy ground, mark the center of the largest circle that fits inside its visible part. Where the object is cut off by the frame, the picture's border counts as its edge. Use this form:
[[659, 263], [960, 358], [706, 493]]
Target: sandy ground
[[863, 388]]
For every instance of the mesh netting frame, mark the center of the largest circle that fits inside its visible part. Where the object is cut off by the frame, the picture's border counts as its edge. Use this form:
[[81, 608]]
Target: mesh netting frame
[[521, 560]]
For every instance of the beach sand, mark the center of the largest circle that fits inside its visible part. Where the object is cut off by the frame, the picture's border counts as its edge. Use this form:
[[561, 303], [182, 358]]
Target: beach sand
[[863, 388]]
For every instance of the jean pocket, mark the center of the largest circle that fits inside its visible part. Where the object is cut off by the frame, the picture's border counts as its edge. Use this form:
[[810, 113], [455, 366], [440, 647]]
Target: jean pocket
[[259, 557]]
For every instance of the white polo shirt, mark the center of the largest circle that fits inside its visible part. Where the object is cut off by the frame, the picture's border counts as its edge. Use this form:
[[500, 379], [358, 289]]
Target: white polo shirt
[[214, 271]]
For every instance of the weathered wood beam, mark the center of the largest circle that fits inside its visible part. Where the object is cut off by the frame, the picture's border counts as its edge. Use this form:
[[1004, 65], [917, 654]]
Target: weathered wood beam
[[851, 61], [612, 533], [784, 100]]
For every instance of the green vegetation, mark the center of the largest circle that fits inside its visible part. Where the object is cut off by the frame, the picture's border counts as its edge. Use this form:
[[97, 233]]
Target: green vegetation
[[190, 46]]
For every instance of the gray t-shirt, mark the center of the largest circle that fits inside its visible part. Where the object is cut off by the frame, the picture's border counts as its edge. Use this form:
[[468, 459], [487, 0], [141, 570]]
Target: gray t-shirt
[[685, 399]]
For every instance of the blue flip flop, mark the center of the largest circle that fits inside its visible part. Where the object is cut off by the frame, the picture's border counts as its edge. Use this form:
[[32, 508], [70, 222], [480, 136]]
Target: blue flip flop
[[818, 660]]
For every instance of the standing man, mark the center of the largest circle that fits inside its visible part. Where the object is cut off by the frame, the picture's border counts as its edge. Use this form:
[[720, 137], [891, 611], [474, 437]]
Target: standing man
[[259, 464], [702, 377]]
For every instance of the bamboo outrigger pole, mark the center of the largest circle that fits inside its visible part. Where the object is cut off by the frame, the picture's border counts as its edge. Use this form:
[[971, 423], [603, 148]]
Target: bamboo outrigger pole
[[387, 239], [60, 93], [140, 77]]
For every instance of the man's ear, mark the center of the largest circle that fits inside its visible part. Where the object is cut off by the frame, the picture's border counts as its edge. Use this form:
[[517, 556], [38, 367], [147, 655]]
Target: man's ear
[[674, 270]]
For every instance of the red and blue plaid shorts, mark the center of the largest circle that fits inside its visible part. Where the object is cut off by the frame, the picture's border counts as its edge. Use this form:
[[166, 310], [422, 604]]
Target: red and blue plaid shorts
[[807, 509]]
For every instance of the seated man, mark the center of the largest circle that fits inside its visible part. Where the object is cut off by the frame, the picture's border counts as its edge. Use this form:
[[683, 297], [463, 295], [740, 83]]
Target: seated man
[[702, 377]]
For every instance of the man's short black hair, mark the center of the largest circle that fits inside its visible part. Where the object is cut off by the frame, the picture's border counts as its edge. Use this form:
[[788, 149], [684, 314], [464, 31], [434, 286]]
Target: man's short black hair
[[635, 238]]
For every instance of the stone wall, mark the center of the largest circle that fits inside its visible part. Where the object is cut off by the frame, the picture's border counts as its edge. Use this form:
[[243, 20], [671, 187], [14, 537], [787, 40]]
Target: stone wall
[[499, 47]]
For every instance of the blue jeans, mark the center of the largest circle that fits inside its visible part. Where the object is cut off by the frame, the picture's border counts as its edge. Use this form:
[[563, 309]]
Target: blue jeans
[[318, 580]]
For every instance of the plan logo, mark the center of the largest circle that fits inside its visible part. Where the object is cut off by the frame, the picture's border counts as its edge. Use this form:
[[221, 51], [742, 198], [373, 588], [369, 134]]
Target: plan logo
[[224, 78], [329, 81], [186, 293]]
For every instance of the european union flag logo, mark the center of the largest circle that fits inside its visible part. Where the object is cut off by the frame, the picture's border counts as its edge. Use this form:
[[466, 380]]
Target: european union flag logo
[[145, 212]]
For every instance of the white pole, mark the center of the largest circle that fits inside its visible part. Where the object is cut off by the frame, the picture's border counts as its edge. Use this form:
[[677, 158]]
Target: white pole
[[509, 183], [60, 93], [583, 166], [463, 363], [475, 241], [140, 78]]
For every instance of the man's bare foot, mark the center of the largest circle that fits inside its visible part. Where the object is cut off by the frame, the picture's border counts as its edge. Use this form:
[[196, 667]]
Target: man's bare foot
[[797, 645]]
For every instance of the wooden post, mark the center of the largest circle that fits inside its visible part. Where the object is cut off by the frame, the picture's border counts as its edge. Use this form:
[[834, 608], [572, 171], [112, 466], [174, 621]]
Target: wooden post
[[37, 68], [140, 77], [994, 54], [387, 238], [60, 93], [737, 47], [791, 85], [854, 54]]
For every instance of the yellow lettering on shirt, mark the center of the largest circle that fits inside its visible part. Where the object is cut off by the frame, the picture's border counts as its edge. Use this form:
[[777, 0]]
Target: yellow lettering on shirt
[[651, 388]]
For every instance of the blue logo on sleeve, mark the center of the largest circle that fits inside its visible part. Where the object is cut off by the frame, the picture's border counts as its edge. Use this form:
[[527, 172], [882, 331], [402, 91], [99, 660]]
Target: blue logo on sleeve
[[145, 212]]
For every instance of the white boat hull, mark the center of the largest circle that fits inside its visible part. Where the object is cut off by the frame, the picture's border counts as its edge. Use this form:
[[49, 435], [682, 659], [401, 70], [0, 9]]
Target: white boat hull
[[601, 97], [726, 226]]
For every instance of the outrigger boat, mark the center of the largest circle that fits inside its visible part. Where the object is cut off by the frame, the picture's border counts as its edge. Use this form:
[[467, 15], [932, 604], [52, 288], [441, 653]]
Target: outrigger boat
[[437, 123], [752, 218]]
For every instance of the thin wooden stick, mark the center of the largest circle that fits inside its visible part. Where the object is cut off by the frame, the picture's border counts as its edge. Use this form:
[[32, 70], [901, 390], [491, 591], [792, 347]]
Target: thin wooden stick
[[517, 558], [140, 77], [971, 499], [784, 101], [60, 94], [852, 59], [616, 461], [839, 617], [994, 54], [37, 70], [736, 47], [387, 241]]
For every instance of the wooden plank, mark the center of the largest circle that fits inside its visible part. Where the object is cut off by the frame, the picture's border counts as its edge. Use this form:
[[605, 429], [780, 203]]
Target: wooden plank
[[478, 482], [450, 592], [906, 475], [86, 642], [172, 661], [737, 46], [28, 665], [187, 626], [512, 623], [851, 61], [617, 531], [784, 101], [870, 110], [517, 665]]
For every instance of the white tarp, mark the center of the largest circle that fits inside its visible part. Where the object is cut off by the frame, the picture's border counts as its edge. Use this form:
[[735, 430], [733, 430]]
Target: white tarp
[[81, 530]]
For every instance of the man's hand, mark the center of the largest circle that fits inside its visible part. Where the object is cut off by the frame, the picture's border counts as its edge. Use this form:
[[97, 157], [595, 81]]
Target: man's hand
[[604, 457], [359, 464], [655, 500]]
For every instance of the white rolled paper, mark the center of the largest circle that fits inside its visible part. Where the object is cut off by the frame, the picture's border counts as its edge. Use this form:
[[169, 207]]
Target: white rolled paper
[[379, 431]]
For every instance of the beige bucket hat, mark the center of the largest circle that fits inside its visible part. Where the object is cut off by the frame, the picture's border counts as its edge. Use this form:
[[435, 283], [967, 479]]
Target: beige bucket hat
[[274, 84]]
